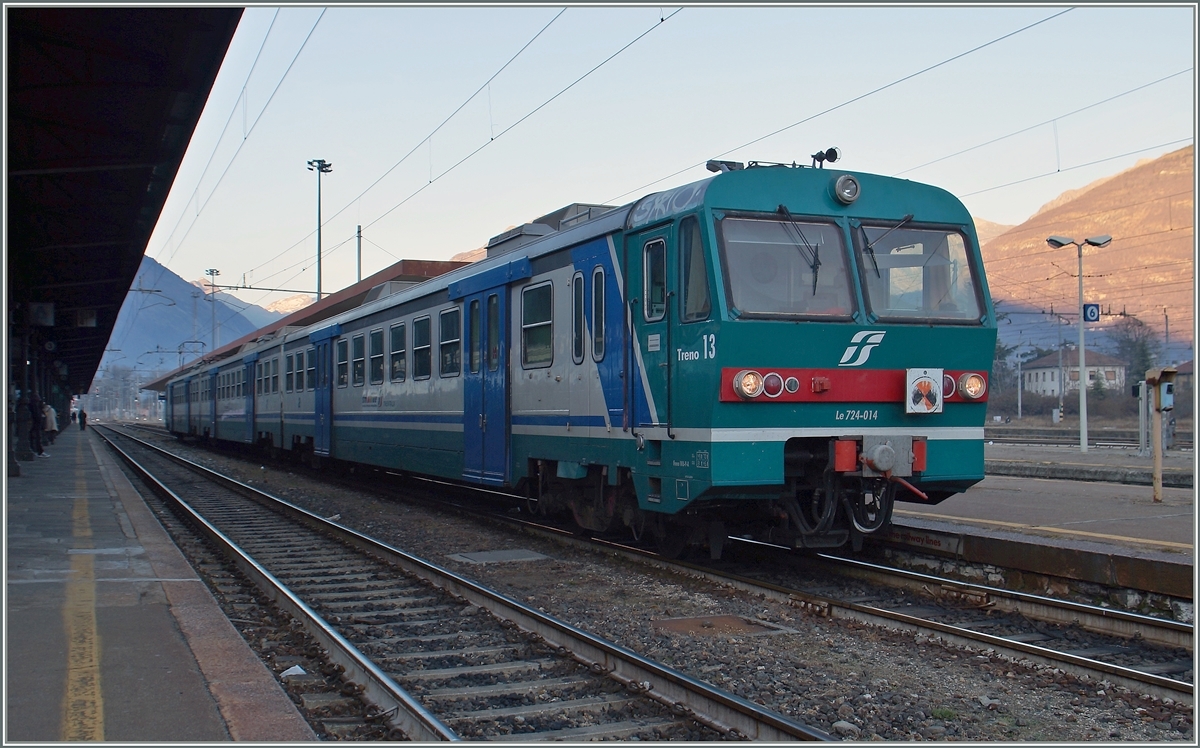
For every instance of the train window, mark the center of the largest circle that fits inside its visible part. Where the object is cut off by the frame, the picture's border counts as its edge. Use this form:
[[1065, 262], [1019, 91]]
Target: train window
[[398, 362], [474, 354], [450, 343], [274, 375], [696, 302], [537, 326], [422, 349], [358, 358], [311, 355], [258, 377], [918, 274], [289, 374], [779, 267], [598, 314], [577, 321], [654, 275], [493, 332], [376, 365], [343, 362]]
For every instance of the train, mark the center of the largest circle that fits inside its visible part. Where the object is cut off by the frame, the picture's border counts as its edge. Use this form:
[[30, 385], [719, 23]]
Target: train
[[777, 353]]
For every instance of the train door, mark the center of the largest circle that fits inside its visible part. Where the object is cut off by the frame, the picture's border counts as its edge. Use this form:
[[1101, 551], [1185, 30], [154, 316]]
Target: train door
[[211, 406], [249, 364], [323, 396], [648, 290], [323, 437], [485, 383], [188, 427]]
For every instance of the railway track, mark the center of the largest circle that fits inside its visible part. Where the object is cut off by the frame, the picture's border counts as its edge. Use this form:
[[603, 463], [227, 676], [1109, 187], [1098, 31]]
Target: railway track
[[1146, 654], [437, 655], [1143, 653]]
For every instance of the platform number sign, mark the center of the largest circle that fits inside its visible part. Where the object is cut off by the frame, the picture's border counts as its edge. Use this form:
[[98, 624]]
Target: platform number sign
[[1091, 312]]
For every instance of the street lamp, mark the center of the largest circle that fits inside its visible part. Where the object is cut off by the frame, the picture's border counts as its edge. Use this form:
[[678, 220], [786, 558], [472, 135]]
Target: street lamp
[[212, 274], [1095, 241], [321, 166]]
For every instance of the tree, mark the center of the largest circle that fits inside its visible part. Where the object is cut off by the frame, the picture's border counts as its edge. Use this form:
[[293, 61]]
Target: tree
[[1136, 344], [1003, 374]]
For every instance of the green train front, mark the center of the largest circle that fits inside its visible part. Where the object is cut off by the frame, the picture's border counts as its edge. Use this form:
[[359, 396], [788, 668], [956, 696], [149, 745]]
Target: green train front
[[815, 344]]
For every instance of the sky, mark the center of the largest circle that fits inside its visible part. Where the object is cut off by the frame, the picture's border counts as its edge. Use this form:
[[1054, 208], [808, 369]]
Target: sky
[[447, 125]]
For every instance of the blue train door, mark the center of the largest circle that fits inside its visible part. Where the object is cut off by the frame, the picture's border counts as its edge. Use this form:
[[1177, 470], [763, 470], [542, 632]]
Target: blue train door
[[485, 383], [187, 408], [323, 437], [248, 365], [323, 396], [212, 402]]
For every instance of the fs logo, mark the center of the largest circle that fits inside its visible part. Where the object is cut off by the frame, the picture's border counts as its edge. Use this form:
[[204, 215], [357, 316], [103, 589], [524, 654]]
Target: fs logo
[[868, 340]]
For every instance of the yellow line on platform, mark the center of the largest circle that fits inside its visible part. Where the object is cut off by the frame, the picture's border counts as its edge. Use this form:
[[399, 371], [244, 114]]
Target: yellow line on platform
[[1046, 528], [83, 707]]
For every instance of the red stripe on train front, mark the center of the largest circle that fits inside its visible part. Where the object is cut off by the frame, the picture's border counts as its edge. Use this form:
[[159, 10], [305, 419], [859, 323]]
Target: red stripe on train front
[[833, 386]]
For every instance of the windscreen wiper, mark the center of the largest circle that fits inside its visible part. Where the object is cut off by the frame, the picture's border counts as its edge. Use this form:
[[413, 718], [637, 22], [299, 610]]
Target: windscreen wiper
[[807, 251], [871, 245], [869, 249]]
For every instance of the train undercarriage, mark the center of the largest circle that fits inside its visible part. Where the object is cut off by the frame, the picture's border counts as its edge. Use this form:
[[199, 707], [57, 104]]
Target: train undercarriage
[[817, 507]]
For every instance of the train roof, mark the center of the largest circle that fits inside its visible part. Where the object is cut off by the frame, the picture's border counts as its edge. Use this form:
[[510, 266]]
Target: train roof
[[580, 222]]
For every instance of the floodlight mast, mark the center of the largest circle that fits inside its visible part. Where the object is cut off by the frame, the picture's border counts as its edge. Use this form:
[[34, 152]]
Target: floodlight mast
[[1058, 242], [321, 166]]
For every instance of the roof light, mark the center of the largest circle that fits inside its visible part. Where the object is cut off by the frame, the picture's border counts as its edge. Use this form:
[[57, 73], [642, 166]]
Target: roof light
[[846, 189], [748, 384], [972, 386]]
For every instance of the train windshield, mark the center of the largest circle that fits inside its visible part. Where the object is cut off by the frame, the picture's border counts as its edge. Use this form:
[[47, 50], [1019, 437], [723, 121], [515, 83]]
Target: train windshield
[[917, 274], [788, 267]]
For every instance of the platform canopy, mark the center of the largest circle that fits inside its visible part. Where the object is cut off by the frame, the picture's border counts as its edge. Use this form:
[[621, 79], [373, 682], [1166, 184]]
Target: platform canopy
[[101, 103]]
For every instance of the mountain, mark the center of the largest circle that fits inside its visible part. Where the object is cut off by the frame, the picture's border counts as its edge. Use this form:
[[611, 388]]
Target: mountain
[[1148, 268], [163, 315], [289, 304], [986, 230]]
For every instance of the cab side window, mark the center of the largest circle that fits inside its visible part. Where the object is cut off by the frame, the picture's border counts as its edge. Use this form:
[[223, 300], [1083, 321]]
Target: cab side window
[[696, 301], [654, 274]]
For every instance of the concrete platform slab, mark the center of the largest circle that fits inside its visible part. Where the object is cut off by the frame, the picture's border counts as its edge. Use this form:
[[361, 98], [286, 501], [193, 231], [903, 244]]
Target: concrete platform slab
[[109, 633]]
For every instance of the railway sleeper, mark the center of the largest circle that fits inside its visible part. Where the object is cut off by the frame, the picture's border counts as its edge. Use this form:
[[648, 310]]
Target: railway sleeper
[[616, 731], [520, 688], [589, 704]]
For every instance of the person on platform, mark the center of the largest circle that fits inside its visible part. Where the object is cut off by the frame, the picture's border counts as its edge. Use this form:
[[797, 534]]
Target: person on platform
[[51, 421], [82, 419], [36, 424]]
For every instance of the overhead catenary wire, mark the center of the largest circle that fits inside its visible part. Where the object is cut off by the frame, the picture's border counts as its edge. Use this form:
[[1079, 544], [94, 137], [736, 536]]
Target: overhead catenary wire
[[245, 137], [848, 102], [534, 111], [423, 141], [1046, 122]]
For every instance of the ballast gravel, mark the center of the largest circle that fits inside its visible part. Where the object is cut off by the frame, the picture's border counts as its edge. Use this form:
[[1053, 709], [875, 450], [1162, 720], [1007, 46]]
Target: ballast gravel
[[855, 681]]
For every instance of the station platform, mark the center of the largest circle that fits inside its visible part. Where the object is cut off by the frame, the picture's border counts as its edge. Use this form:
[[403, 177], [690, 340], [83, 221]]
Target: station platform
[[1104, 464], [1088, 516], [109, 634]]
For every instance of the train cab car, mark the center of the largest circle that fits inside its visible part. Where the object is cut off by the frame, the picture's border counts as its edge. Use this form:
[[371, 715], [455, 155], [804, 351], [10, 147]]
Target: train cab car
[[777, 353]]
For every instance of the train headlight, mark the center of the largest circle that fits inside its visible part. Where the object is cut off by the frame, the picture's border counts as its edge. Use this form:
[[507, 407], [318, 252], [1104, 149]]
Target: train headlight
[[972, 386], [846, 189], [748, 384]]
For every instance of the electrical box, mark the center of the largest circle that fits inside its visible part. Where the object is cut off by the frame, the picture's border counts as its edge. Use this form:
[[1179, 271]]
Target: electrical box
[[1166, 396], [1162, 386]]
